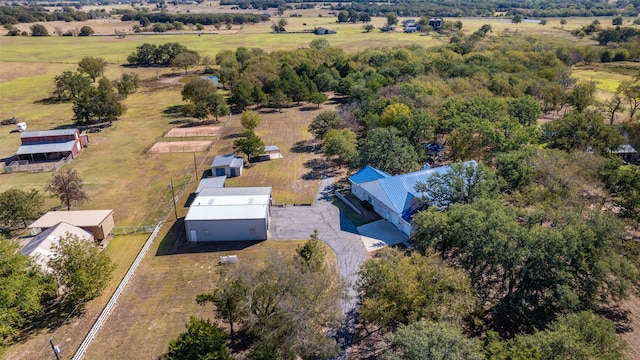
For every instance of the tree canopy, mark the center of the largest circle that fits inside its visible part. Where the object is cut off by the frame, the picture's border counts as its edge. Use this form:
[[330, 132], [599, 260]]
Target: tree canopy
[[92, 67], [68, 187], [81, 267], [23, 287], [529, 263], [396, 289], [385, 149], [201, 341], [19, 206]]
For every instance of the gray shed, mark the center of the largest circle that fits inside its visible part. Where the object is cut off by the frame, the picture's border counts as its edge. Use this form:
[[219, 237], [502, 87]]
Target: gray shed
[[229, 214], [229, 165]]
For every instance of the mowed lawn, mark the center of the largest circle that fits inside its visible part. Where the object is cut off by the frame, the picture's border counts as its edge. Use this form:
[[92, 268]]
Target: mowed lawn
[[295, 178], [161, 297], [68, 335]]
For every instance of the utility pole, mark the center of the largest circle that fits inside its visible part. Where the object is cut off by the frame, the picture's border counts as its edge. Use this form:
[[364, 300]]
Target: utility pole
[[173, 197], [195, 166], [56, 348]]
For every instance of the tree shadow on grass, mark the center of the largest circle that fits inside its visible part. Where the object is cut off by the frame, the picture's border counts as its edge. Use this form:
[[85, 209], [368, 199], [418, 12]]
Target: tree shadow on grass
[[174, 111], [309, 108], [318, 169], [51, 100], [619, 316], [302, 147], [51, 318]]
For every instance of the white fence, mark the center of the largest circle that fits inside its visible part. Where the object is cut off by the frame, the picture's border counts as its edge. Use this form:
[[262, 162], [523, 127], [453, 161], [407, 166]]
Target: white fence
[[114, 298]]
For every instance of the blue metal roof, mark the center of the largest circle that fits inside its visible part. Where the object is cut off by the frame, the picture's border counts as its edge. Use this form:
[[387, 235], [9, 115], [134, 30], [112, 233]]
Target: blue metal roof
[[366, 174], [401, 189]]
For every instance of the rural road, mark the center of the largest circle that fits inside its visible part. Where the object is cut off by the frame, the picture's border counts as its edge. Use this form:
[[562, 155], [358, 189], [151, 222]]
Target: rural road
[[298, 222]]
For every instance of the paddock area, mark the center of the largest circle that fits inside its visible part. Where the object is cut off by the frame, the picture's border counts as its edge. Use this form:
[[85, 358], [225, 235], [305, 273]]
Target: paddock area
[[180, 147], [194, 131]]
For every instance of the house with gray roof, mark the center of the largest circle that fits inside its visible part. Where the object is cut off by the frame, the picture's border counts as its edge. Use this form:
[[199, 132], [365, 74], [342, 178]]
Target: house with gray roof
[[393, 197], [40, 247], [229, 165]]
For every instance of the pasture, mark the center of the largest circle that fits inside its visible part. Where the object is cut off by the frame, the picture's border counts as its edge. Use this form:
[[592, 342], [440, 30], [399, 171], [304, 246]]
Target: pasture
[[119, 173]]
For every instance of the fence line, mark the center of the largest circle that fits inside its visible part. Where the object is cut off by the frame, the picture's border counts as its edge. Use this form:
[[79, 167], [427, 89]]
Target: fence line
[[19, 166], [142, 229], [114, 298]]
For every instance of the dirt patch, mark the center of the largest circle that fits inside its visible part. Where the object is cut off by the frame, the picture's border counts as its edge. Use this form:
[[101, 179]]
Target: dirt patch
[[194, 131], [179, 147], [633, 322]]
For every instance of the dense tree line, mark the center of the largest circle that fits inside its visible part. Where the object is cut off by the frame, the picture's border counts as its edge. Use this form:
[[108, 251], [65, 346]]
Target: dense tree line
[[162, 55], [204, 19], [448, 8], [14, 14]]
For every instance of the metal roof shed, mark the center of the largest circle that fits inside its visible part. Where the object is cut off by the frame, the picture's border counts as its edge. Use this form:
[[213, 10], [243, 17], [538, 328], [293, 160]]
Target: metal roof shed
[[229, 214]]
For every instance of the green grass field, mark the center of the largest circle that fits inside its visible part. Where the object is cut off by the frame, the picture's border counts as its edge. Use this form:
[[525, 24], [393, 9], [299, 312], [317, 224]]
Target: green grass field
[[119, 174]]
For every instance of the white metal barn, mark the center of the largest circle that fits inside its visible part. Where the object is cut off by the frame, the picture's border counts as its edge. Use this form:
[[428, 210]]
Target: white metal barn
[[229, 214]]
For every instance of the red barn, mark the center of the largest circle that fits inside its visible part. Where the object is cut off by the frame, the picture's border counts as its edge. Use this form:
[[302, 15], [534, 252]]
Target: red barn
[[51, 145]]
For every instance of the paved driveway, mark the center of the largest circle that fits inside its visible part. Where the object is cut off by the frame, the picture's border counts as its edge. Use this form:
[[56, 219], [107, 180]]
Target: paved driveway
[[381, 233], [298, 222]]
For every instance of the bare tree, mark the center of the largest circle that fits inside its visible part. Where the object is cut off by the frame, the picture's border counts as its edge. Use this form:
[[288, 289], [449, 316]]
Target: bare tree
[[67, 186]]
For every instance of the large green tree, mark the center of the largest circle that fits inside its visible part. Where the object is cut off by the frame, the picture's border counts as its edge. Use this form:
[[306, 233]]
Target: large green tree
[[96, 105], [526, 109], [529, 266], [81, 268], [197, 90], [323, 122], [462, 183], [201, 341], [249, 120], [290, 309], [69, 85], [428, 340], [92, 67], [128, 84], [22, 289], [186, 60], [249, 144], [387, 150], [397, 289], [580, 335], [582, 131], [18, 206], [342, 143]]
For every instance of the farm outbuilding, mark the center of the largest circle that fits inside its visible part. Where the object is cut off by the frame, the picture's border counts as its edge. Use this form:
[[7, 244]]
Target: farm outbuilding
[[229, 214], [229, 165], [323, 31], [50, 145], [212, 182], [98, 222], [41, 246]]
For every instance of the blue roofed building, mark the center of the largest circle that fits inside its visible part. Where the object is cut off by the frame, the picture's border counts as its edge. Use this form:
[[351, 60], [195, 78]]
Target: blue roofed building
[[393, 197]]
